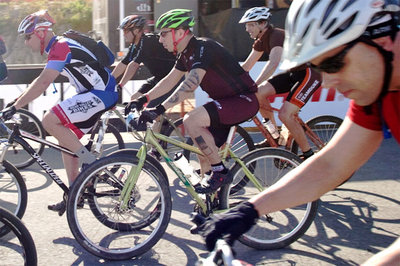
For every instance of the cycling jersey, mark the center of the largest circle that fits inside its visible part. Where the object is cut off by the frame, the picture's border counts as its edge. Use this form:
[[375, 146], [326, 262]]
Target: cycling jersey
[[224, 76], [269, 39], [376, 117], [152, 54], [95, 85], [67, 56]]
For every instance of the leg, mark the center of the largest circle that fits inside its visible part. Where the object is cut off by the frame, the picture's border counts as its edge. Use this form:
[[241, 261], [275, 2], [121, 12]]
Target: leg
[[67, 139], [287, 116], [264, 91]]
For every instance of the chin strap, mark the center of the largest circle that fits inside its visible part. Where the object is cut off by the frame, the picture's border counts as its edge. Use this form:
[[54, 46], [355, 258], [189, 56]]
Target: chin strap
[[41, 39], [178, 41]]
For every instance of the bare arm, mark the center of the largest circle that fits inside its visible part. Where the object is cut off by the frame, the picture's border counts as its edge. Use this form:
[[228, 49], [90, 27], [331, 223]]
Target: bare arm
[[271, 65], [118, 69], [37, 87], [185, 89], [348, 150], [166, 84], [129, 72], [251, 60]]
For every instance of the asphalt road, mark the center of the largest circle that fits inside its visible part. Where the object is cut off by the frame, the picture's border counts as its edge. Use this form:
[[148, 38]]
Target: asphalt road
[[353, 222]]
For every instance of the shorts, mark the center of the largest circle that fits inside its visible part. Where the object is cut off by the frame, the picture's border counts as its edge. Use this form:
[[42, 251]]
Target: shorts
[[149, 84], [227, 112], [3, 71], [81, 112], [300, 84]]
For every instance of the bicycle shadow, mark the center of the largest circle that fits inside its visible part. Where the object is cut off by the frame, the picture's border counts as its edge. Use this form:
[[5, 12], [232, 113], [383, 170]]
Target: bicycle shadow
[[342, 222]]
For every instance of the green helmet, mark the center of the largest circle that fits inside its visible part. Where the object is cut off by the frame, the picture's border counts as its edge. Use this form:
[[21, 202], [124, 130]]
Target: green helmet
[[176, 18]]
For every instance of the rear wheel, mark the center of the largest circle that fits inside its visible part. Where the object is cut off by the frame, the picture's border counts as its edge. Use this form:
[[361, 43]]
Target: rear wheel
[[111, 142]]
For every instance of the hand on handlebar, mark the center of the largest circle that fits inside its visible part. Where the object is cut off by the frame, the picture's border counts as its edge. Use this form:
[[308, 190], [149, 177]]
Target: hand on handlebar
[[137, 104], [229, 225], [7, 113]]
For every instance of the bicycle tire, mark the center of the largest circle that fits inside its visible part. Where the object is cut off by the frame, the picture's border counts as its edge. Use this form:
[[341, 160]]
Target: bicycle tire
[[99, 233], [278, 229], [13, 192], [116, 143], [30, 123], [18, 229], [324, 126]]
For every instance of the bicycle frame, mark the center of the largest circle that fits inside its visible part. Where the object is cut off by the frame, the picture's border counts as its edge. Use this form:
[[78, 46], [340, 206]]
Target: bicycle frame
[[153, 139], [18, 136], [307, 130]]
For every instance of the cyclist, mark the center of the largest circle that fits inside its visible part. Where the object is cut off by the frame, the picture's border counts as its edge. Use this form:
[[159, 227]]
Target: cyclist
[[3, 67], [356, 46], [144, 48], [209, 65], [70, 119], [300, 84]]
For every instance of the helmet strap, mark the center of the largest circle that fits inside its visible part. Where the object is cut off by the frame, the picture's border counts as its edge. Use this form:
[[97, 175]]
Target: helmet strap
[[41, 38], [176, 42]]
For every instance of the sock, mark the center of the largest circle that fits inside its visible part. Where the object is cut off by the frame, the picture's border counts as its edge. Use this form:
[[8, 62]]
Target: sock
[[219, 167]]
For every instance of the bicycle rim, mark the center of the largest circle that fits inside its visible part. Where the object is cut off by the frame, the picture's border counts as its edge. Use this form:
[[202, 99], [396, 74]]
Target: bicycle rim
[[278, 229], [13, 192], [105, 230], [18, 244]]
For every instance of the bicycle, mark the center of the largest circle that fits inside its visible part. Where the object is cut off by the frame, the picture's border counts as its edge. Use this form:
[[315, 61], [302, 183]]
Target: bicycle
[[128, 201], [28, 122], [319, 130], [24, 247]]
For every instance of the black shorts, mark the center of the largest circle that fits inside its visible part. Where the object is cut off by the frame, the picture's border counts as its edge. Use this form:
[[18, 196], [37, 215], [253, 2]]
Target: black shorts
[[230, 111], [300, 84]]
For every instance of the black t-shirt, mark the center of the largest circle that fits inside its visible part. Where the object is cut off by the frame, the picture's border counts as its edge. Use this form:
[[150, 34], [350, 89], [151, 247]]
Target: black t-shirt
[[224, 76], [152, 54]]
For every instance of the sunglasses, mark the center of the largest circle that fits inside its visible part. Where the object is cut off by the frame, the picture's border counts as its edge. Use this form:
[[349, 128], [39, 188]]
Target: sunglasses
[[27, 37], [164, 33], [334, 63]]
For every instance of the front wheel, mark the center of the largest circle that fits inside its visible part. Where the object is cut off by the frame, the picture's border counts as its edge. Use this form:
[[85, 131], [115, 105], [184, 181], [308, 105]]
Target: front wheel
[[20, 239], [13, 192], [102, 225], [278, 229]]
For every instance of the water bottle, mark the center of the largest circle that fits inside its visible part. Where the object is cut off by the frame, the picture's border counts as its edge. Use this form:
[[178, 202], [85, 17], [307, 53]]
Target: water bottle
[[271, 128], [284, 135], [186, 168]]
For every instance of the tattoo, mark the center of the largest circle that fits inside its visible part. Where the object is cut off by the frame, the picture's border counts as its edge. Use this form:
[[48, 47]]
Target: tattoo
[[190, 83], [174, 98], [203, 145]]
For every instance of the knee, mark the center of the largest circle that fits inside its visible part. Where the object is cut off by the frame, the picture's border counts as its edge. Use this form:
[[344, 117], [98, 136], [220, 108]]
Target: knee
[[284, 115], [49, 121]]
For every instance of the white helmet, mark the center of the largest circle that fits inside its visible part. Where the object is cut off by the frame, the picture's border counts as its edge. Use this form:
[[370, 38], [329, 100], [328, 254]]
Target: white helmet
[[314, 27], [38, 20], [255, 14]]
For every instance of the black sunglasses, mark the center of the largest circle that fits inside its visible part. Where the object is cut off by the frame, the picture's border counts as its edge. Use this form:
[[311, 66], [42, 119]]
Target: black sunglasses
[[334, 63], [27, 37], [164, 33]]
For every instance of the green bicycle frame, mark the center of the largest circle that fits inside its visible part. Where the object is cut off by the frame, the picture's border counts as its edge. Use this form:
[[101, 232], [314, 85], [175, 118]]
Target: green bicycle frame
[[153, 138]]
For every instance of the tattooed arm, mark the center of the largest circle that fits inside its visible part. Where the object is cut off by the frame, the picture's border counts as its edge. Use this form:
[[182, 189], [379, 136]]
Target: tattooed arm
[[166, 84], [186, 88]]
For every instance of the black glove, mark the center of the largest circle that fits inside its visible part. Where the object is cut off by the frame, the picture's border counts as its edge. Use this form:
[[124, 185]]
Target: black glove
[[151, 113], [12, 102], [138, 105], [8, 112], [230, 225]]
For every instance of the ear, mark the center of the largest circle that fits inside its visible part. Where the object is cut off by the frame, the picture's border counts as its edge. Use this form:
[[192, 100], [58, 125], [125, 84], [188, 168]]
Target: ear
[[386, 43]]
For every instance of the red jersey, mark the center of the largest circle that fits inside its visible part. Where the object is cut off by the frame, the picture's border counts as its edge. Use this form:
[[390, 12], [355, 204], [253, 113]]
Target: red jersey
[[390, 114]]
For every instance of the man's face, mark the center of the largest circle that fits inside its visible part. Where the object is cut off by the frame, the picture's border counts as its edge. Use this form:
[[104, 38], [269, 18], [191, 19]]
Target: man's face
[[32, 41], [254, 29], [128, 35], [360, 76], [166, 39]]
